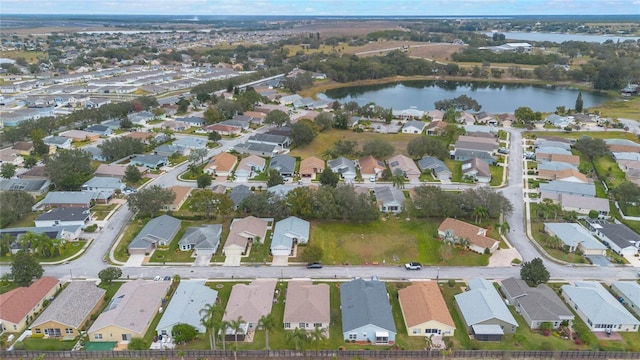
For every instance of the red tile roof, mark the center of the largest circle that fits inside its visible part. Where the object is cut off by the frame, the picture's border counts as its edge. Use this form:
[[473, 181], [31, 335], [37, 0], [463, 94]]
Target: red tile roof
[[17, 303]]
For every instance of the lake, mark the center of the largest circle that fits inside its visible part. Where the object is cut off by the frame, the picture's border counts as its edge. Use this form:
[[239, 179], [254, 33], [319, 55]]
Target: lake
[[560, 38], [494, 97]]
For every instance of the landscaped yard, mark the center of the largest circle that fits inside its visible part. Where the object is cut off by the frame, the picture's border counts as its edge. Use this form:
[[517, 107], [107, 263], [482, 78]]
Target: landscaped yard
[[456, 169], [539, 236], [608, 169], [383, 241], [70, 248], [497, 173], [133, 229], [40, 344], [100, 212], [172, 253]]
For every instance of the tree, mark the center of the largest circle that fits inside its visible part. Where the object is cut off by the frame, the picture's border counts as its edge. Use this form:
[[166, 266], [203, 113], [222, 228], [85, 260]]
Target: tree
[[183, 105], [593, 214], [524, 114], [427, 145], [39, 147], [236, 325], [312, 253], [579, 103], [324, 120], [591, 147], [203, 181], [317, 335], [534, 272], [479, 212], [301, 133], [212, 115], [268, 323], [137, 343], [298, 337], [210, 318], [30, 162], [183, 333], [151, 199], [277, 118], [462, 102], [24, 268], [120, 147], [69, 169], [398, 180], [198, 155], [126, 123], [8, 170], [109, 274], [14, 205], [274, 178], [214, 136], [329, 178], [378, 148], [131, 174]]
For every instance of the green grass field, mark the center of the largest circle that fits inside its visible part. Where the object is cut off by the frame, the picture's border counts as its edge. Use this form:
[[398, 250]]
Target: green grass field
[[594, 134], [609, 169], [497, 173], [379, 242]]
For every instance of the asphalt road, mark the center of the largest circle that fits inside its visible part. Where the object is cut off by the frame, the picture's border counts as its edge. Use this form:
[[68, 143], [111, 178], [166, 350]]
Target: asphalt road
[[92, 261]]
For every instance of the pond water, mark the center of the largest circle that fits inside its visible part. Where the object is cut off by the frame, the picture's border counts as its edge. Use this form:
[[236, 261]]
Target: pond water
[[560, 38], [494, 97]]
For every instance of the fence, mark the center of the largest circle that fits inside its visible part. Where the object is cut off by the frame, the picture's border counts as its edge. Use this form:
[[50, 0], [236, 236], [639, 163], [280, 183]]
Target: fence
[[322, 354]]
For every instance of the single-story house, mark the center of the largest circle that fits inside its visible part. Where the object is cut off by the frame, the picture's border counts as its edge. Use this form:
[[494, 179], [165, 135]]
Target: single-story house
[[570, 175], [285, 164], [436, 128], [536, 304], [454, 230], [435, 167], [250, 302], [484, 312], [80, 135], [177, 126], [548, 154], [96, 153], [69, 311], [307, 306], [190, 297], [565, 187], [629, 294], [141, 117], [21, 305], [344, 167], [401, 164], [11, 156], [23, 147], [68, 233], [424, 310], [389, 199], [370, 167], [558, 121], [192, 121], [623, 145], [410, 113], [32, 186], [221, 165], [477, 170], [182, 193], [36, 173], [287, 234], [249, 167], [191, 142], [258, 149], [485, 118], [414, 127], [101, 130], [575, 237], [150, 161], [270, 139], [465, 155], [488, 144], [115, 170], [311, 166], [548, 170], [130, 311], [366, 312], [225, 130], [203, 239], [581, 204], [243, 232], [619, 237], [100, 183], [147, 137], [78, 199], [598, 308], [63, 216], [238, 194], [157, 232], [59, 142], [282, 190]]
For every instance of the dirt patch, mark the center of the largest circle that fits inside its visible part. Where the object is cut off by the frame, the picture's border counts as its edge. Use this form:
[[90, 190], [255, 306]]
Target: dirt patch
[[337, 28], [438, 52]]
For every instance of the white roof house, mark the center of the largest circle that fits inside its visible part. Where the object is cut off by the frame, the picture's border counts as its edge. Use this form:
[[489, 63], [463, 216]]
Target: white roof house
[[629, 292], [576, 237], [185, 305], [414, 127], [287, 233], [598, 308]]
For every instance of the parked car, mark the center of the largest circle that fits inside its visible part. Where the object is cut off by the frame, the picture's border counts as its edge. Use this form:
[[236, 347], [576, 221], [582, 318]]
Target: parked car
[[413, 266], [167, 278], [315, 265]]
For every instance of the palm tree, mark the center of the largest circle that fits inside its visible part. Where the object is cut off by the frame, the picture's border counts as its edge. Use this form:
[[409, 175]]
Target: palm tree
[[464, 243], [224, 325], [317, 335], [505, 228], [298, 337], [429, 341], [398, 181], [236, 325], [268, 323], [479, 212], [211, 317], [554, 242]]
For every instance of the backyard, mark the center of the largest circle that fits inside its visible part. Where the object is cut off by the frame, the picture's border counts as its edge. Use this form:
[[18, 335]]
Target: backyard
[[389, 241]]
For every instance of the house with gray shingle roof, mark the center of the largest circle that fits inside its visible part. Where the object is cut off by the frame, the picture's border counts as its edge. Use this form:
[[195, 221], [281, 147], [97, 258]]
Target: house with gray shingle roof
[[267, 150], [598, 308], [58, 141], [366, 312], [61, 216], [414, 127], [435, 166], [66, 199], [629, 292], [101, 130], [190, 297], [157, 232], [285, 164], [203, 239], [484, 311], [150, 161], [344, 167], [34, 187], [555, 187], [239, 193], [389, 199], [287, 234], [69, 311], [619, 237], [536, 304]]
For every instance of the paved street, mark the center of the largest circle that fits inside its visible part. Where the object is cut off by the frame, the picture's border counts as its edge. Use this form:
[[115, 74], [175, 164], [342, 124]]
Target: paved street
[[88, 265]]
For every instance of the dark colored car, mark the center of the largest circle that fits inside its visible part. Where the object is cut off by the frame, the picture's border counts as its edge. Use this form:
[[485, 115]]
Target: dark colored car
[[314, 266], [413, 266]]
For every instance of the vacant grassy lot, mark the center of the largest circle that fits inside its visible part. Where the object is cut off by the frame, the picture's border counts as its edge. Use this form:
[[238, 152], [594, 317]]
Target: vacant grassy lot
[[30, 56], [100, 212], [326, 139], [609, 169], [628, 109], [28, 220], [385, 240], [576, 135]]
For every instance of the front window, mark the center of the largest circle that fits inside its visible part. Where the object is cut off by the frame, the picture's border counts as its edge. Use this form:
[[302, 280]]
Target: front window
[[97, 336], [317, 325], [287, 325], [68, 331], [353, 336], [302, 325], [382, 339]]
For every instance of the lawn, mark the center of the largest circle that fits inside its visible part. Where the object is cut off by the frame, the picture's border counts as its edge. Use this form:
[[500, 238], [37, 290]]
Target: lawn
[[100, 212], [497, 172], [620, 109], [608, 169], [346, 243], [30, 56], [540, 236], [28, 220], [326, 139], [133, 229], [594, 134], [403, 340], [40, 344], [456, 169], [70, 249], [8, 286]]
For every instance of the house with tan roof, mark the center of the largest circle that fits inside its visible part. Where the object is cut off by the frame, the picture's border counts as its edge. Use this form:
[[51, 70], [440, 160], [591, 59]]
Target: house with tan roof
[[307, 306], [23, 147], [182, 194], [130, 311], [436, 128], [622, 145], [20, 306], [401, 164], [546, 155], [454, 230], [370, 167], [570, 174], [80, 135], [221, 165], [311, 166], [223, 129], [68, 312], [242, 232], [249, 167], [116, 170], [256, 116], [11, 156], [250, 302], [424, 310]]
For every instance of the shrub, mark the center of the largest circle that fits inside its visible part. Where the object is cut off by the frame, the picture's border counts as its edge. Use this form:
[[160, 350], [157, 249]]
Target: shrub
[[451, 283], [91, 228]]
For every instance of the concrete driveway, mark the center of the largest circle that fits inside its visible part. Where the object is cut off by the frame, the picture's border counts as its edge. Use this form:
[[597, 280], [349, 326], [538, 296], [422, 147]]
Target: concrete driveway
[[202, 260], [280, 260], [232, 260], [503, 257]]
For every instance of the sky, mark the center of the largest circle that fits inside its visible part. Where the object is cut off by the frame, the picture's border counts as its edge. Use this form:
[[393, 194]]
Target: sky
[[323, 7]]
